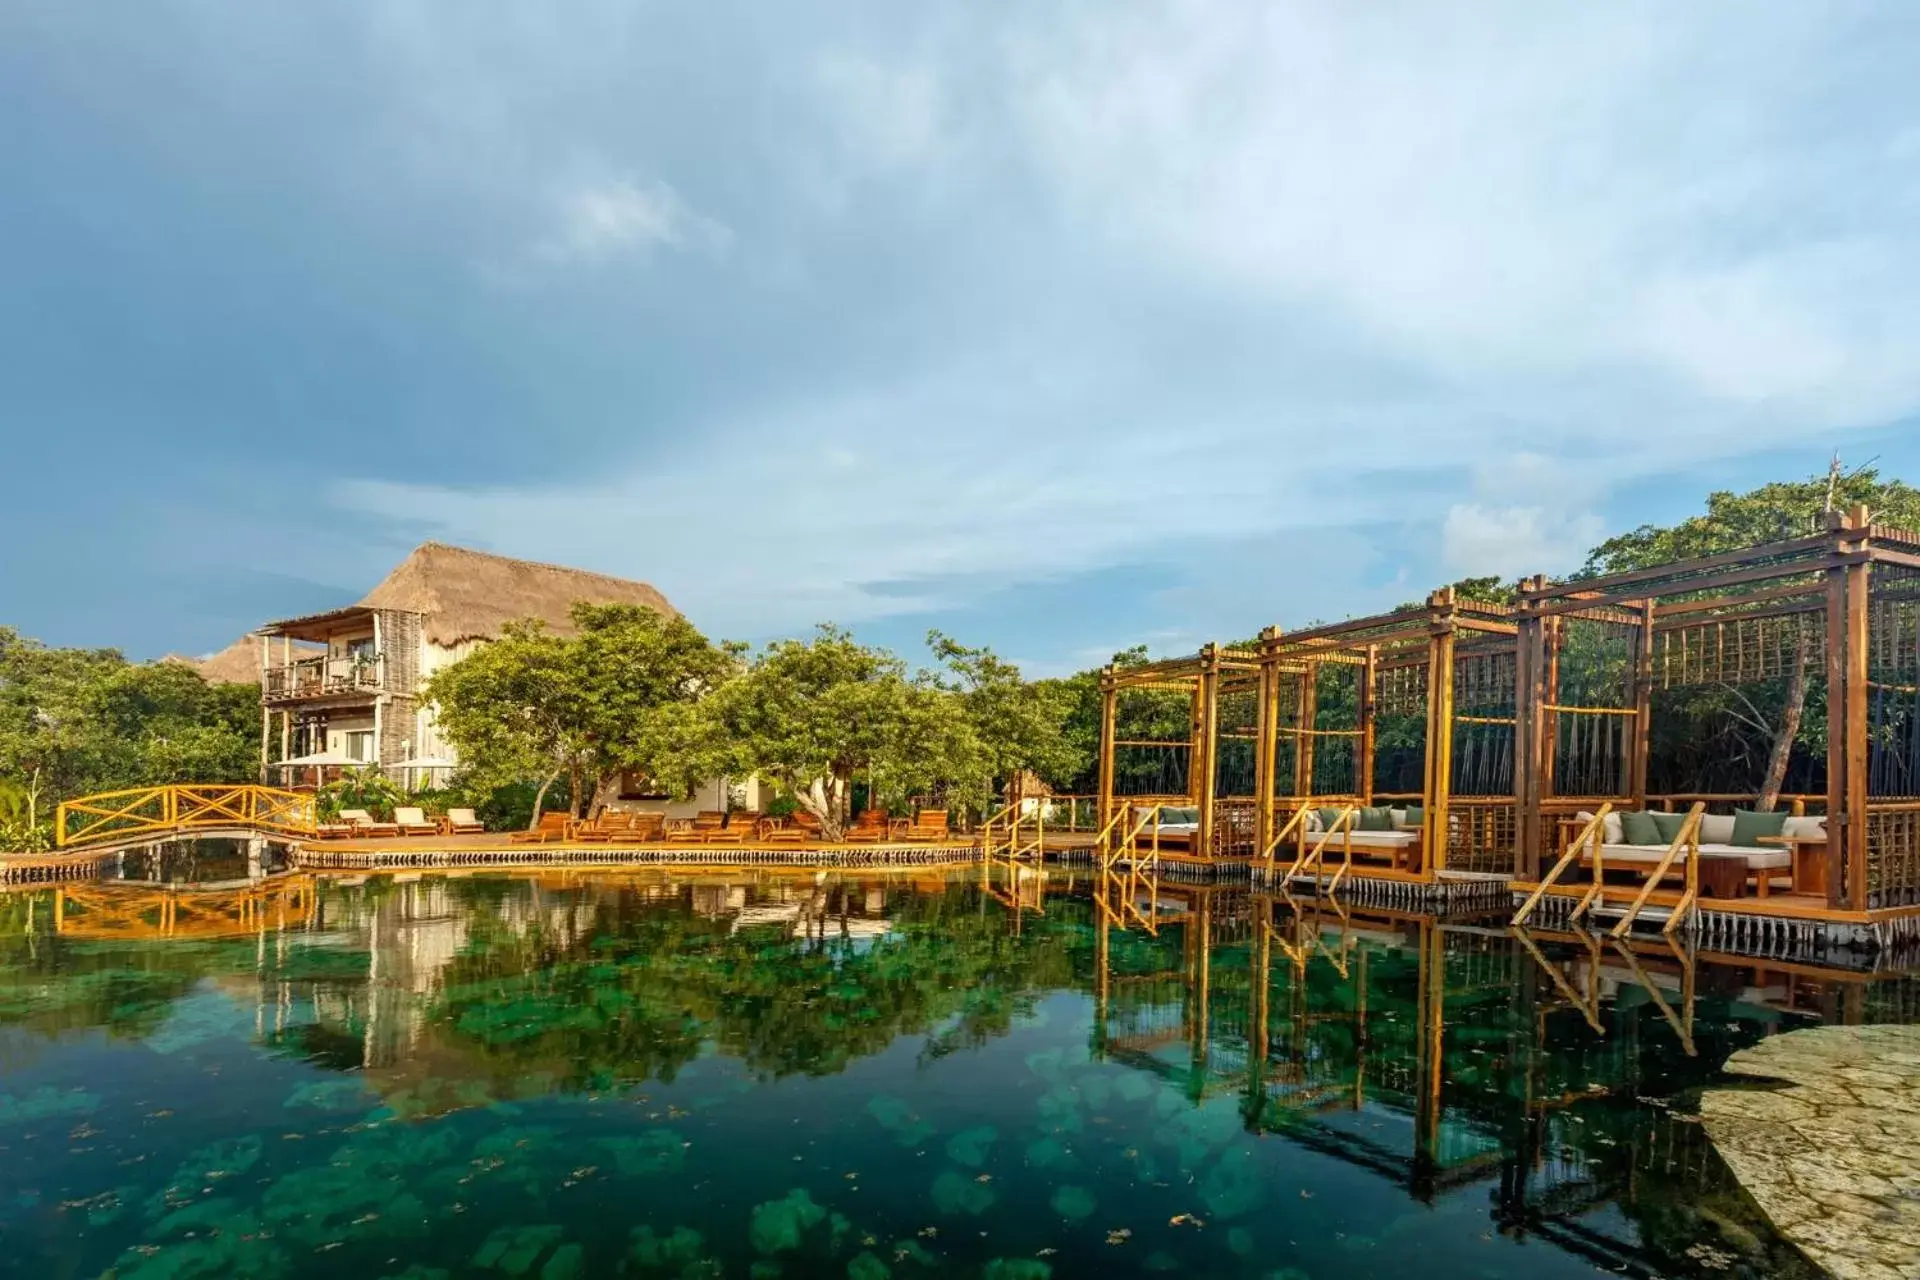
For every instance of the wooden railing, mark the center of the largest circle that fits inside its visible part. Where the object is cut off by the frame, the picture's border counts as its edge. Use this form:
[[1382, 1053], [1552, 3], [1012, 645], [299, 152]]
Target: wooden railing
[[323, 676], [155, 812]]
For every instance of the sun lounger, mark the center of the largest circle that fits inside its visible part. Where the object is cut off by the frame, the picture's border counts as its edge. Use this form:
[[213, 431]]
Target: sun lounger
[[414, 822], [554, 825], [364, 825], [605, 829], [462, 822]]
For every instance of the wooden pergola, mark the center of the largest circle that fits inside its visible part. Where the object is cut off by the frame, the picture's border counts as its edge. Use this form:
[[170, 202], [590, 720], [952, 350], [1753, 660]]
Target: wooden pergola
[[1295, 722], [1838, 609]]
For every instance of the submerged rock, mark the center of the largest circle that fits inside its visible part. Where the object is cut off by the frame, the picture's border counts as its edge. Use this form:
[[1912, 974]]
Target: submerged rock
[[970, 1146], [1833, 1160], [779, 1225], [957, 1193]]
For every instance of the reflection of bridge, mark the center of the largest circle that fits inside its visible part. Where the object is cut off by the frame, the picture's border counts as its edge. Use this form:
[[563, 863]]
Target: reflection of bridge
[[131, 911], [148, 815]]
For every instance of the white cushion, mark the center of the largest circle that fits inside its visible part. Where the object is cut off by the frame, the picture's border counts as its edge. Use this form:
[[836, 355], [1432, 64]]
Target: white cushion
[[1376, 839], [1806, 828], [1313, 819], [1758, 859], [1716, 828], [1399, 819]]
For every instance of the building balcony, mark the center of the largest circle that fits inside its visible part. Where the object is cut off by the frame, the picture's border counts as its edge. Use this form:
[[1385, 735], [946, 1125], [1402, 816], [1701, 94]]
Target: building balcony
[[320, 678]]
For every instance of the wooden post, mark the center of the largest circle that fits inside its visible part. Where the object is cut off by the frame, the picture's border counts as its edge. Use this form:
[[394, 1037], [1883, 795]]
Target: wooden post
[[1847, 716], [1554, 633], [1105, 799], [1438, 798], [1264, 739], [1642, 705], [1530, 760], [1369, 694], [1203, 769]]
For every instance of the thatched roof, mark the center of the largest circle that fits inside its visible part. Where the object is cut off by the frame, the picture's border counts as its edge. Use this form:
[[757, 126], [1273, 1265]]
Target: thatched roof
[[469, 595]]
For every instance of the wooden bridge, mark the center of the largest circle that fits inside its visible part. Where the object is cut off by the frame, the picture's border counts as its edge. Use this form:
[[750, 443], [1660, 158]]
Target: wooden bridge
[[146, 815]]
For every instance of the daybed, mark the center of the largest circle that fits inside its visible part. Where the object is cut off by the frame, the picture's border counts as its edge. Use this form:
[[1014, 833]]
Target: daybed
[[1719, 856]]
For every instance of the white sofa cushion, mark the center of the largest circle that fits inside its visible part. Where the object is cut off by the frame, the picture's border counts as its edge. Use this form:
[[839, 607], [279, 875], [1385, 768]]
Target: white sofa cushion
[[1716, 828], [1806, 829], [1376, 839], [1757, 859]]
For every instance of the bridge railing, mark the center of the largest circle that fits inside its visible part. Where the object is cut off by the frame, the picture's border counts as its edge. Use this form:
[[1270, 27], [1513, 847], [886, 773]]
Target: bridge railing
[[114, 816]]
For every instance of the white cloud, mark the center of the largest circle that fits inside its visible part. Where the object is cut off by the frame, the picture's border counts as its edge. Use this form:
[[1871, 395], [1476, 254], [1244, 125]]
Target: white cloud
[[1478, 540], [598, 220]]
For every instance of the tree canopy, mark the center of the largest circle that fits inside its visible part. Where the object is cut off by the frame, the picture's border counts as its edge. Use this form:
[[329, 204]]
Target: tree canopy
[[813, 715], [76, 721], [616, 696]]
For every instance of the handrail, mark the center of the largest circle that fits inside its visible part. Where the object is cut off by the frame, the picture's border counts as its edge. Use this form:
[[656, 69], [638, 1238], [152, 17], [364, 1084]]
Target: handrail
[[1589, 832], [1312, 858], [163, 810], [1299, 817], [1689, 834]]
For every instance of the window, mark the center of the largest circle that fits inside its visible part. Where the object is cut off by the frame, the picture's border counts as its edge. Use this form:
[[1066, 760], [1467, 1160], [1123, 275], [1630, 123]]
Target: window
[[359, 744], [360, 650]]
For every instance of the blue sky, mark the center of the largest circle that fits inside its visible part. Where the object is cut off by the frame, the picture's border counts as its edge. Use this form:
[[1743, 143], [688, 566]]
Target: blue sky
[[1059, 326]]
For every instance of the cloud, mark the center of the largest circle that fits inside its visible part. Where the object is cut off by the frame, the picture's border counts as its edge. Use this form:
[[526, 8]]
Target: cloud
[[599, 220], [1167, 318]]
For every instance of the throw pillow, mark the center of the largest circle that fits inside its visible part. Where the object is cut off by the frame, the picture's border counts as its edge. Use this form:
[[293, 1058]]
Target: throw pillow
[[1416, 817], [1376, 819], [1640, 828], [1669, 824], [1749, 826], [1327, 818]]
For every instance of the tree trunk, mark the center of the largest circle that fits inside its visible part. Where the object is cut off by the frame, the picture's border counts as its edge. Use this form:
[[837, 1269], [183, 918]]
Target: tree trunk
[[821, 798], [540, 798], [1789, 728], [573, 792], [603, 792]]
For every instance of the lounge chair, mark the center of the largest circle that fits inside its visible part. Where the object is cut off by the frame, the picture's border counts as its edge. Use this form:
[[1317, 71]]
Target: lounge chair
[[554, 825], [869, 828], [462, 822], [605, 829], [414, 822], [648, 828], [929, 826], [333, 831], [364, 825]]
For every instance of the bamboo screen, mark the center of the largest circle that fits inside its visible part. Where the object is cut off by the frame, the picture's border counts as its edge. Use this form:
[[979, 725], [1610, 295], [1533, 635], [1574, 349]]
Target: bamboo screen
[[1893, 737]]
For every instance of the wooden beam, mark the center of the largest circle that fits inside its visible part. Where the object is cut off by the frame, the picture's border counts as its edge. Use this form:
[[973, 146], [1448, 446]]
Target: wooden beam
[[1369, 693], [1642, 703], [1439, 770], [1607, 588], [1107, 696]]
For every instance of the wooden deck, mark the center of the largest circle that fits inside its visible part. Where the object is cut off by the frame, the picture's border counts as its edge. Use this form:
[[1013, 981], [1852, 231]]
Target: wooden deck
[[496, 850]]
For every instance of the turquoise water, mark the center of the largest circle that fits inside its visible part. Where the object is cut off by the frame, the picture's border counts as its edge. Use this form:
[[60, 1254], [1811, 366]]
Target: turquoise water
[[862, 1076]]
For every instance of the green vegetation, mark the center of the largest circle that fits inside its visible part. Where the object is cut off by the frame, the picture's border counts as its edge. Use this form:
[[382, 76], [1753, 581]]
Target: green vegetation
[[618, 695], [75, 721]]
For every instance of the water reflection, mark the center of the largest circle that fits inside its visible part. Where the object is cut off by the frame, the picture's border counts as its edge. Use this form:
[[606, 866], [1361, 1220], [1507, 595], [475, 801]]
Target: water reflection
[[1301, 1075]]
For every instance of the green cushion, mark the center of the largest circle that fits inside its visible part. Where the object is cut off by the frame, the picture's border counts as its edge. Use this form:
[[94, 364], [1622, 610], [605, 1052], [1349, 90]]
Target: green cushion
[[1640, 828], [1669, 824], [1173, 815], [1375, 819], [1749, 826], [1416, 816], [1327, 818]]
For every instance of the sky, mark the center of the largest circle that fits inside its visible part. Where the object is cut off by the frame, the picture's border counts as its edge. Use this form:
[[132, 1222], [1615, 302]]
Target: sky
[[1060, 327]]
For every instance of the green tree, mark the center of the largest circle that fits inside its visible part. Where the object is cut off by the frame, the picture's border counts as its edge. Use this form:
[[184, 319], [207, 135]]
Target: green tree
[[617, 695], [1021, 724], [813, 714], [77, 721]]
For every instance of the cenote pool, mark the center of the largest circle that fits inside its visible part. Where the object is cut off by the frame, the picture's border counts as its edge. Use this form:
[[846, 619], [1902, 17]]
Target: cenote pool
[[760, 1074]]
